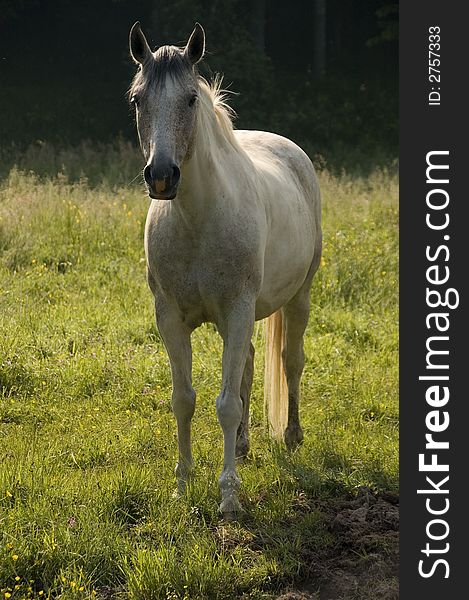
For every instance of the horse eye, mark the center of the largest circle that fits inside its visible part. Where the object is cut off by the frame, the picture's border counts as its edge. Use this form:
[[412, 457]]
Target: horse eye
[[134, 101], [192, 100]]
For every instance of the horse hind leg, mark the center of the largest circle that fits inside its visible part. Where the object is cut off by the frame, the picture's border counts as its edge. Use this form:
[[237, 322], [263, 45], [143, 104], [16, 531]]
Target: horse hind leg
[[296, 315], [242, 439], [293, 363]]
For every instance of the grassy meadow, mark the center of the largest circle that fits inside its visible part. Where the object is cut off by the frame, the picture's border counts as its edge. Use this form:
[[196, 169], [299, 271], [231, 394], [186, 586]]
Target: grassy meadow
[[87, 438]]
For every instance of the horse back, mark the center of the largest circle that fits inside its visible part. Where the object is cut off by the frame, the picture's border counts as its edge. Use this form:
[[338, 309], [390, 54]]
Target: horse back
[[289, 190], [275, 156]]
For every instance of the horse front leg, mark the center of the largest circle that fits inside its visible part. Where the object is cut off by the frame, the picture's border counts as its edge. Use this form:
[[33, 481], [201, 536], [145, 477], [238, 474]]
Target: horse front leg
[[236, 331], [176, 337]]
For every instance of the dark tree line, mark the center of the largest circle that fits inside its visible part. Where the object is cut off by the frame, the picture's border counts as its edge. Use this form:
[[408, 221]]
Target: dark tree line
[[323, 72]]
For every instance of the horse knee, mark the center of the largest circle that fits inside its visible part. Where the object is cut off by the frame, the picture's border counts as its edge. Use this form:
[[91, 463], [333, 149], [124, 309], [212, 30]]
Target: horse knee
[[229, 410], [183, 402]]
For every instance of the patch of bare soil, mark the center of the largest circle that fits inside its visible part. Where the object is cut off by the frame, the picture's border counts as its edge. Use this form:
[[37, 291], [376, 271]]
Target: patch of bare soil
[[363, 562]]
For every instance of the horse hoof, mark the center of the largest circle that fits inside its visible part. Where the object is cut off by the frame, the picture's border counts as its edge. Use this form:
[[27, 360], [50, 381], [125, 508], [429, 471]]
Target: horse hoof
[[179, 492], [181, 488], [293, 437], [230, 508], [230, 517]]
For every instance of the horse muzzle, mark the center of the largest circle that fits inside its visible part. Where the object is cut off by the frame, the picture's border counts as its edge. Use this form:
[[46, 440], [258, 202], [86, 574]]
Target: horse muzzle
[[162, 180]]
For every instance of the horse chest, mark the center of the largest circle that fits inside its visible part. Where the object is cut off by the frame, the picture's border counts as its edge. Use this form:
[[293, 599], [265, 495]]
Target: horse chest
[[179, 277], [200, 275], [197, 280]]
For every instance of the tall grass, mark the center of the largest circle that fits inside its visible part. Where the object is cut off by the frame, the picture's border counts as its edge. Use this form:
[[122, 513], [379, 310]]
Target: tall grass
[[117, 163], [87, 438]]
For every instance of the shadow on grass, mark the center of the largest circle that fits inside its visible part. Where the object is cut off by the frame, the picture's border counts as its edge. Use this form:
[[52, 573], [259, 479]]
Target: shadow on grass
[[332, 542]]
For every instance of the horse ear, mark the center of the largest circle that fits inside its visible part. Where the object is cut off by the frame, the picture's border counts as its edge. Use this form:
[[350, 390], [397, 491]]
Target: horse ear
[[195, 47], [139, 48]]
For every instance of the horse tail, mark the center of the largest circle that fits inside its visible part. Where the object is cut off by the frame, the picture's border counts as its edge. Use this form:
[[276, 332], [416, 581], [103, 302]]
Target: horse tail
[[275, 382]]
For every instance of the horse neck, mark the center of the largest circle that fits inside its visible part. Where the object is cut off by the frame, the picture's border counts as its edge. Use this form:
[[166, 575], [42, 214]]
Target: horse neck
[[214, 155]]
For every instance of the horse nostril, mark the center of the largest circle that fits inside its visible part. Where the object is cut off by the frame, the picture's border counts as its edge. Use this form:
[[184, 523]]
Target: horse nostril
[[176, 174], [147, 175]]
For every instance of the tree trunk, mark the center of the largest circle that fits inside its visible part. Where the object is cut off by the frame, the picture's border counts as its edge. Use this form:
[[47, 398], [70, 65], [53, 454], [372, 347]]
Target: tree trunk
[[337, 31], [319, 36], [257, 24]]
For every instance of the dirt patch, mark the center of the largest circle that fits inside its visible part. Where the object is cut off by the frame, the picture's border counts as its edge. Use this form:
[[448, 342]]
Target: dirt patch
[[363, 562]]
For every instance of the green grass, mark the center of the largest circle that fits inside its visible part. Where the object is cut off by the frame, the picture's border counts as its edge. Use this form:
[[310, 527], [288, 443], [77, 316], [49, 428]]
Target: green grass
[[87, 439]]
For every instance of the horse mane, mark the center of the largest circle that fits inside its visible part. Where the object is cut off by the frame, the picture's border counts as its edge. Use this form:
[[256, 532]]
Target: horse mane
[[215, 115]]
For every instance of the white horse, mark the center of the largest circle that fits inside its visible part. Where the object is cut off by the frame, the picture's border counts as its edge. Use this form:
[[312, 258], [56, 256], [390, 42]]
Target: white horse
[[233, 235]]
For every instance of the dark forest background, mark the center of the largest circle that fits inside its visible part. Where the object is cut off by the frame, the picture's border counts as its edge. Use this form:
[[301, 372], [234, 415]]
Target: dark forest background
[[322, 72]]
